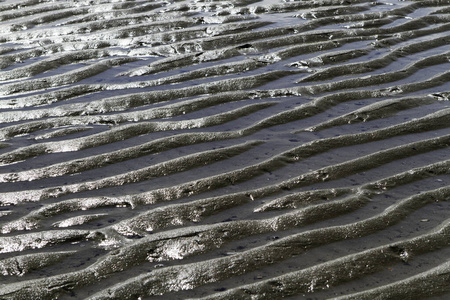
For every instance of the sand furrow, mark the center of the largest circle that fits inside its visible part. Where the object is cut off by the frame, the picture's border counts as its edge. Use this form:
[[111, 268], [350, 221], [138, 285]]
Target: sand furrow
[[237, 149]]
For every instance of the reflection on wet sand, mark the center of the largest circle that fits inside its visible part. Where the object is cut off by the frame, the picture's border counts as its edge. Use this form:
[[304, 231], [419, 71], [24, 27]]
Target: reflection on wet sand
[[224, 149]]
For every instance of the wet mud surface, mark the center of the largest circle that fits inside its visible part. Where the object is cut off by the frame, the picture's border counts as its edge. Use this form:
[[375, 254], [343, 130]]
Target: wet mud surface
[[224, 149]]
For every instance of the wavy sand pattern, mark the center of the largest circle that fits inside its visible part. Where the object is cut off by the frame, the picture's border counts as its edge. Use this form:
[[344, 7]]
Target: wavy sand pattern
[[236, 149]]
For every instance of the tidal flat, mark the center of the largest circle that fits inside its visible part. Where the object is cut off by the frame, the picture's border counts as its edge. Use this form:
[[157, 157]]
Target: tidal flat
[[239, 149]]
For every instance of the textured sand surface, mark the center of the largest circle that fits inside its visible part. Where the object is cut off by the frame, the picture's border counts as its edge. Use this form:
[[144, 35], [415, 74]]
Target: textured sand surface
[[225, 149]]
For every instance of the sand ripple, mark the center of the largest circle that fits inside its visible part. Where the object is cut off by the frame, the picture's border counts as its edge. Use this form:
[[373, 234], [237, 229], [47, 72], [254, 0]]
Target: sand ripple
[[224, 149]]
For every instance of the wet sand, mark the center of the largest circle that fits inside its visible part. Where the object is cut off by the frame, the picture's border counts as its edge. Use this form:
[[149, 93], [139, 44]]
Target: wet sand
[[224, 149]]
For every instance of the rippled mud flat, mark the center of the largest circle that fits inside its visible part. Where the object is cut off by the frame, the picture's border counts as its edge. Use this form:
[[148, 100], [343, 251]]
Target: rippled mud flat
[[224, 149]]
